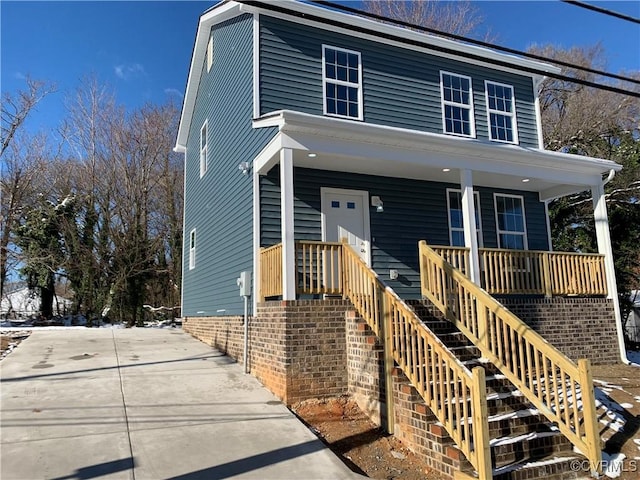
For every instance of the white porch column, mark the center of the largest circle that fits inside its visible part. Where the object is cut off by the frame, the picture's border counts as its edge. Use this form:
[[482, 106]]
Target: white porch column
[[604, 247], [286, 220], [469, 223]]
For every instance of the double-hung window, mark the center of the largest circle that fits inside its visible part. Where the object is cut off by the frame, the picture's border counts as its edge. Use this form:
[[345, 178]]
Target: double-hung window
[[457, 104], [192, 249], [204, 158], [456, 223], [510, 221], [501, 110], [342, 82]]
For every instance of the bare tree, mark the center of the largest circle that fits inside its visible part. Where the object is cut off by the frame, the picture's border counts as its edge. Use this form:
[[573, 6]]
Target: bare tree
[[17, 107], [20, 163], [460, 18], [587, 121], [23, 178]]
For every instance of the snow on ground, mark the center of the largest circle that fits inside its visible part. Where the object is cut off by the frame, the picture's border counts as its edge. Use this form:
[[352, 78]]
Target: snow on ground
[[612, 464], [634, 357], [612, 416]]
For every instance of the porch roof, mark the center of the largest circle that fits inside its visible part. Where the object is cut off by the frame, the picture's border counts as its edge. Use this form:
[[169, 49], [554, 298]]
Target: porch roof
[[345, 145]]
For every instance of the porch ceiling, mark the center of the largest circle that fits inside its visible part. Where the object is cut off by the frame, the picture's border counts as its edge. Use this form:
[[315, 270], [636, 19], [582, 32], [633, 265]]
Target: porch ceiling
[[342, 145]]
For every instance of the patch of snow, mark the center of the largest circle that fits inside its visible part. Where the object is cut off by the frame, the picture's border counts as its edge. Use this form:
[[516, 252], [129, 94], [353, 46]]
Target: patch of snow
[[612, 464], [527, 436], [626, 405], [612, 411], [634, 357], [551, 461]]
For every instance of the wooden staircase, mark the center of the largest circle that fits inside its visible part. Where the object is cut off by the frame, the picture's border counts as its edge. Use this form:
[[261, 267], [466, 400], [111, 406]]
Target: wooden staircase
[[524, 444]]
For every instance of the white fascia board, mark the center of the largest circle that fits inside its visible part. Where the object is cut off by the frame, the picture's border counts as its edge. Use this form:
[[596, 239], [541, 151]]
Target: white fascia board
[[563, 190], [402, 33], [213, 16], [361, 139]]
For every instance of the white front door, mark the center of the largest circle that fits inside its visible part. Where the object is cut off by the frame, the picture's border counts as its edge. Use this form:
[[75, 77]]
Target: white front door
[[345, 214]]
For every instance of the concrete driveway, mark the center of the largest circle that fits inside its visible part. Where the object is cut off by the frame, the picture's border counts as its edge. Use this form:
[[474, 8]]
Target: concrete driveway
[[145, 404]]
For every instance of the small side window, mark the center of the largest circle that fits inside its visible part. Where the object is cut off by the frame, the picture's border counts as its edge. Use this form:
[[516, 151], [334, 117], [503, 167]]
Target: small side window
[[204, 157], [192, 249]]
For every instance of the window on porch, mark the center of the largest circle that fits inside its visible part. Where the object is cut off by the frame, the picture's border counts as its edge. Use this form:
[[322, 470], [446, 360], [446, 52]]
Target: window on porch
[[456, 225], [342, 82], [510, 222]]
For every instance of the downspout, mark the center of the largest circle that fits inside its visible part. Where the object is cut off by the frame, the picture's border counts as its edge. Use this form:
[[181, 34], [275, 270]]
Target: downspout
[[616, 301]]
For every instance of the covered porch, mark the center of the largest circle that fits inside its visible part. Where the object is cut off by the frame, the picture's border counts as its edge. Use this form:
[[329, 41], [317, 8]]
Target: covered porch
[[319, 270], [407, 181]]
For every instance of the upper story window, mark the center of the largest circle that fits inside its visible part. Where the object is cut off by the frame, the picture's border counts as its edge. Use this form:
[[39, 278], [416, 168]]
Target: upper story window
[[457, 104], [204, 157], [510, 221], [192, 249], [342, 82], [456, 224], [210, 53], [501, 110]]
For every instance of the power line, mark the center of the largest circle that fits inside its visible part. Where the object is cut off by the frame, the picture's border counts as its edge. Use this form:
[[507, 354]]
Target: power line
[[276, 7], [612, 13], [473, 41]]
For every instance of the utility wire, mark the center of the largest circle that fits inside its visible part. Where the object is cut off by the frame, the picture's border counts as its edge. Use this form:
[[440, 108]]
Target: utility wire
[[612, 13], [473, 41]]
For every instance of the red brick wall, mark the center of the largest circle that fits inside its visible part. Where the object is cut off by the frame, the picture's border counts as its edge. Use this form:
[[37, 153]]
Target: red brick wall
[[578, 327], [365, 367], [297, 349]]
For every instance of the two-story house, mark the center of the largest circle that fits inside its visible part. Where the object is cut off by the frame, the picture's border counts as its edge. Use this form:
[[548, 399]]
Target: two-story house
[[311, 136]]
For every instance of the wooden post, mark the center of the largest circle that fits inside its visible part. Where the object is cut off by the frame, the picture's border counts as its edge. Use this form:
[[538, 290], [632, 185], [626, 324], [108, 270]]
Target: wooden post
[[546, 275], [387, 328], [481, 424], [591, 428]]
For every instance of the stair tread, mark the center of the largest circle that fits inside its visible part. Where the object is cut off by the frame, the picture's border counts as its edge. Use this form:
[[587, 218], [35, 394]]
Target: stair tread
[[496, 442], [550, 460]]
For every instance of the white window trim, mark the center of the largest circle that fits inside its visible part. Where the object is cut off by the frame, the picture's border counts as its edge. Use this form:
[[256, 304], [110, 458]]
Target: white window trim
[[204, 151], [342, 82], [192, 249], [512, 114], [476, 197], [443, 102], [525, 242], [210, 52]]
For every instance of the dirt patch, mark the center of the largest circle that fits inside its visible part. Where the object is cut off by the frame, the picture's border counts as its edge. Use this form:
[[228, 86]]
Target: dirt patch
[[361, 444], [10, 340], [620, 425]]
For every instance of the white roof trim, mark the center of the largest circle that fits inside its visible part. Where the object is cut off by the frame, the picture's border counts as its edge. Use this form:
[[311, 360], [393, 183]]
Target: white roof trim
[[291, 122], [226, 10], [213, 16]]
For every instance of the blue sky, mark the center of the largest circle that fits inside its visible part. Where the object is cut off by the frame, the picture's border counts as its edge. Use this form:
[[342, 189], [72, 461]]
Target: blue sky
[[142, 49]]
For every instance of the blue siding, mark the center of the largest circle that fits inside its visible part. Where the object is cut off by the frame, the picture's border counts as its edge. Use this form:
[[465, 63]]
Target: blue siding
[[414, 210], [219, 205], [401, 86]]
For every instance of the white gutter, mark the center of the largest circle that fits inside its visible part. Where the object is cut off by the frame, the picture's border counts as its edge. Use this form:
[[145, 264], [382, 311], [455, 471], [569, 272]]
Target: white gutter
[[616, 301]]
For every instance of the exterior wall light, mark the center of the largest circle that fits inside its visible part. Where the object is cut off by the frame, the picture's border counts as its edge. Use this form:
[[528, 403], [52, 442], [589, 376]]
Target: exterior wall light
[[377, 202], [244, 168]]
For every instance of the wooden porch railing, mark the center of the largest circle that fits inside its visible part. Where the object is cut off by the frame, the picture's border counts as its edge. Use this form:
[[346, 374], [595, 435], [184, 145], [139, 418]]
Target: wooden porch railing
[[560, 389], [271, 271], [532, 272], [456, 395]]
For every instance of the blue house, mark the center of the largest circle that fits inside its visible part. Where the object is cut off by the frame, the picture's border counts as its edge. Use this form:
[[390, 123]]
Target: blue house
[[311, 135]]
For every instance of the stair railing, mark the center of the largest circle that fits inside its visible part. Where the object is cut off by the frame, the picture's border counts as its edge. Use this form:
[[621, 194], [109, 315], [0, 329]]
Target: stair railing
[[455, 395], [557, 387]]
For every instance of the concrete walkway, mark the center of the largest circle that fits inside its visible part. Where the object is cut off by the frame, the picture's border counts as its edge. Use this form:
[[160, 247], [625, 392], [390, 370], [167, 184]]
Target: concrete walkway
[[145, 404]]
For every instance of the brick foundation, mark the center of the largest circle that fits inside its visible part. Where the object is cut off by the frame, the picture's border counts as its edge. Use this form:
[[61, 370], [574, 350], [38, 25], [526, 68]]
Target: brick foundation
[[297, 349], [365, 367], [578, 327]]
